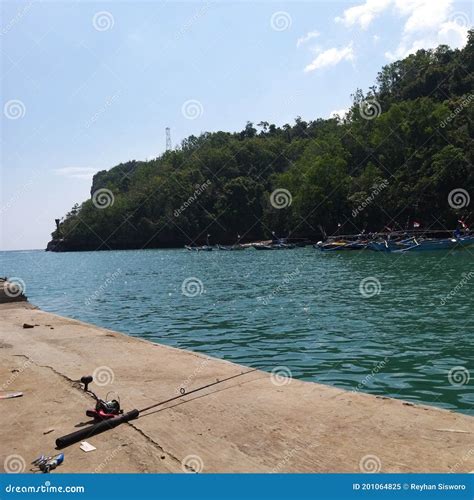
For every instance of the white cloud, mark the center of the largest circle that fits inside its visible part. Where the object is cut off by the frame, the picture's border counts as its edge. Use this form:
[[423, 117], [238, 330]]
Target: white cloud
[[449, 34], [363, 14], [423, 14], [306, 38], [331, 57], [76, 172], [453, 34], [426, 23], [339, 112], [429, 24]]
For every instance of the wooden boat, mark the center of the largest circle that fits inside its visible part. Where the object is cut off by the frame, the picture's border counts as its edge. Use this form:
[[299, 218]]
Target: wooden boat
[[416, 244], [398, 241], [332, 246], [283, 246], [437, 244], [230, 248], [204, 248], [275, 246], [390, 245]]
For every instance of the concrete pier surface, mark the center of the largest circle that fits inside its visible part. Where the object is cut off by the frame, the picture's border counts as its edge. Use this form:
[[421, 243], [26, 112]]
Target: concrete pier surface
[[254, 423]]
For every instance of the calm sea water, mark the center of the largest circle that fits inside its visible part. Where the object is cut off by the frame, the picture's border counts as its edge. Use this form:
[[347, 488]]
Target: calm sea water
[[409, 335]]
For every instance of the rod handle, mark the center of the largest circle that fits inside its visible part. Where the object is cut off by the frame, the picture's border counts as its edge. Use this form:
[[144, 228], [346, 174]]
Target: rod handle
[[92, 430]]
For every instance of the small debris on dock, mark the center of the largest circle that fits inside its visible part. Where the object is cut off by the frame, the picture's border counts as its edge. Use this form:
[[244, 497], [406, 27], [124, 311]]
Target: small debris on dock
[[453, 430], [11, 395], [85, 446]]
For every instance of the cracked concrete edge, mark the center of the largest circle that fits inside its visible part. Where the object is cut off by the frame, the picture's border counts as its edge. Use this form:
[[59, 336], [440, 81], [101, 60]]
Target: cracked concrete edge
[[368, 412]]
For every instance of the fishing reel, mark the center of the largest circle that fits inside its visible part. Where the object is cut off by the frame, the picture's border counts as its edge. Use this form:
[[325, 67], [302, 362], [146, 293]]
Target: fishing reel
[[104, 408]]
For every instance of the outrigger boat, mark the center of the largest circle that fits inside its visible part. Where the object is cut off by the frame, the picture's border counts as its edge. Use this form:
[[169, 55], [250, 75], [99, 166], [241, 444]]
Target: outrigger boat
[[274, 246], [387, 245], [332, 246], [434, 244], [396, 242], [204, 248], [236, 246], [278, 244], [230, 248]]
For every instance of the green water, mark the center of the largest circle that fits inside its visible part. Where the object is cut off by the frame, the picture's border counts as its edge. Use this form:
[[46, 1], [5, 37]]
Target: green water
[[298, 309]]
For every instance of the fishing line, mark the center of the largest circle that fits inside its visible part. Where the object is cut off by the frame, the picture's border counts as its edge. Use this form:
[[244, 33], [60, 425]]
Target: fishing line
[[111, 423]]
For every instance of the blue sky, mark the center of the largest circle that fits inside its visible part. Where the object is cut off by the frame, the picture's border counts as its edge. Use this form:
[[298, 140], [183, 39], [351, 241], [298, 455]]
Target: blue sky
[[88, 85]]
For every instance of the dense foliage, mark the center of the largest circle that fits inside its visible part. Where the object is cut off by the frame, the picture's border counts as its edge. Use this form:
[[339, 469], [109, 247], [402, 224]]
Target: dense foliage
[[402, 148]]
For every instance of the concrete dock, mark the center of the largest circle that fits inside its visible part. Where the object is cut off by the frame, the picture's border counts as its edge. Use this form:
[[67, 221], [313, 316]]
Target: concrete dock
[[254, 423]]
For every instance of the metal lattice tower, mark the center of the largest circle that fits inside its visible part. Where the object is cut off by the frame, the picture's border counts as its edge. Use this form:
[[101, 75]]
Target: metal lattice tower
[[168, 139]]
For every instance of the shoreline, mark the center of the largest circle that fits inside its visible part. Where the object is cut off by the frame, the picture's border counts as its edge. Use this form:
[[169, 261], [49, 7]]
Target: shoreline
[[255, 423]]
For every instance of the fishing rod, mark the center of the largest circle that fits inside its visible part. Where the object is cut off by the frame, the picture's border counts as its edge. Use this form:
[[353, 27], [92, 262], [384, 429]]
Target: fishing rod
[[110, 421]]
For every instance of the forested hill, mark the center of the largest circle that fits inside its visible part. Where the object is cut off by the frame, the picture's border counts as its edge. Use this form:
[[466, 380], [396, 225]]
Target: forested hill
[[397, 156]]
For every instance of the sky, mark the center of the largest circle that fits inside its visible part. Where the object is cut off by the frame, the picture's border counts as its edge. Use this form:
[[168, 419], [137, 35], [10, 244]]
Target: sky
[[87, 85]]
